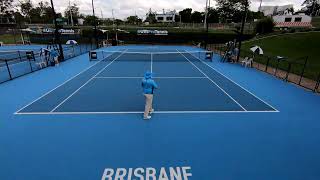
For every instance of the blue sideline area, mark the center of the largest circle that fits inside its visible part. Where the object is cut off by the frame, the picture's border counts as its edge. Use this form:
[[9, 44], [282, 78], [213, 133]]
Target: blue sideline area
[[221, 120]]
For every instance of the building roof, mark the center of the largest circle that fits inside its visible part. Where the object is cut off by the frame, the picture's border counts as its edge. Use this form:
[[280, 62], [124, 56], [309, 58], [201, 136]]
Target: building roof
[[272, 10]]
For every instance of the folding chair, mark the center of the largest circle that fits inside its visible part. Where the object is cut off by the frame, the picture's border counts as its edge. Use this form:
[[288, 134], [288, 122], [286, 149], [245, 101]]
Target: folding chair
[[244, 61], [248, 63]]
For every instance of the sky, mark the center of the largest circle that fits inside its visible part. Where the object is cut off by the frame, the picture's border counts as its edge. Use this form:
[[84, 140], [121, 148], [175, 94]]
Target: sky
[[124, 8]]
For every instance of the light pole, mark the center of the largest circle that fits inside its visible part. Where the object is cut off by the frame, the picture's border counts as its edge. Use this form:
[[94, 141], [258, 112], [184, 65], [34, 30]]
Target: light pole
[[95, 25], [56, 32], [242, 27], [112, 20], [70, 11], [260, 6], [206, 15], [206, 25]]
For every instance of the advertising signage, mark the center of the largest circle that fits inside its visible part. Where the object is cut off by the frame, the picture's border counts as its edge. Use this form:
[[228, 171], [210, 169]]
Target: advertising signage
[[153, 32]]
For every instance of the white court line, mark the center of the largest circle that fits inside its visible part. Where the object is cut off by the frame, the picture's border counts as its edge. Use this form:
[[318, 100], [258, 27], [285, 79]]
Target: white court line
[[237, 84], [140, 112], [57, 87], [154, 53], [214, 83], [87, 82], [101, 77]]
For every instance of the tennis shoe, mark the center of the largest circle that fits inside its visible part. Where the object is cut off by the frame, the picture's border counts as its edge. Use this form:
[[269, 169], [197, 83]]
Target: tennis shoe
[[147, 118]]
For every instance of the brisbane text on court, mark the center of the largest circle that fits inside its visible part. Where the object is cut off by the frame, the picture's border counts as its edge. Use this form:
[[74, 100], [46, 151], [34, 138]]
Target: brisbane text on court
[[171, 173]]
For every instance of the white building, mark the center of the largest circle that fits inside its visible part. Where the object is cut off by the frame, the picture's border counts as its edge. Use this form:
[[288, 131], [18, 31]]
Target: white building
[[287, 21], [168, 17]]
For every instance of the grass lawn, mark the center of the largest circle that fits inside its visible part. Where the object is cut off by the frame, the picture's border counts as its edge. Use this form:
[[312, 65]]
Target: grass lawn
[[7, 38], [293, 46]]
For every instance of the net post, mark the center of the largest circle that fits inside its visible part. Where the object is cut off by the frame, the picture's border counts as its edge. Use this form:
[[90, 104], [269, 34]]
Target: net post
[[29, 59], [19, 55], [73, 53], [8, 69], [34, 58], [46, 58], [30, 63]]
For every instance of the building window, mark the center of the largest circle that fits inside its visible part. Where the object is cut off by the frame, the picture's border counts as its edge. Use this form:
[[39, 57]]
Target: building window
[[287, 19], [298, 19], [169, 18]]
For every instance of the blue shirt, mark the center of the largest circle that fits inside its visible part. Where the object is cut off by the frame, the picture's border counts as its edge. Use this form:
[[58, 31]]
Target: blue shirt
[[148, 85], [53, 53]]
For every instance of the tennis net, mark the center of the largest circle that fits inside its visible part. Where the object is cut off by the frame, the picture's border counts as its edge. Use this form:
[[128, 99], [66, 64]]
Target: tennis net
[[169, 56], [13, 55]]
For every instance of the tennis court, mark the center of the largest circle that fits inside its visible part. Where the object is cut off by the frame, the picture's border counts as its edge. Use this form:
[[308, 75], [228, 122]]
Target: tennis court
[[113, 85], [83, 120]]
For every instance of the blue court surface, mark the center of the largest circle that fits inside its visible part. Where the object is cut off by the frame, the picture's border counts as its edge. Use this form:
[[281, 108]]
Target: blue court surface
[[212, 120]]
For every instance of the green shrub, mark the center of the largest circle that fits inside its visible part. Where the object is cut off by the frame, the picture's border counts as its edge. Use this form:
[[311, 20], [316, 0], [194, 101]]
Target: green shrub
[[292, 30], [265, 26]]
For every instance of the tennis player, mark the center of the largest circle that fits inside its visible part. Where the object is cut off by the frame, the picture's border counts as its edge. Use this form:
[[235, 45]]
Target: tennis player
[[55, 56], [148, 85]]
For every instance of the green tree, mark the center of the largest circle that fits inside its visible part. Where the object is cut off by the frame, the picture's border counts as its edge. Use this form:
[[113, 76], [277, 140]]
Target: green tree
[[5, 10], [134, 20], [151, 17], [186, 15], [251, 16], [41, 13], [231, 9], [46, 12], [197, 17], [313, 6], [74, 10], [107, 22], [47, 15], [18, 17], [118, 22], [26, 6], [89, 20], [265, 26], [35, 15], [226, 10], [213, 16], [177, 18]]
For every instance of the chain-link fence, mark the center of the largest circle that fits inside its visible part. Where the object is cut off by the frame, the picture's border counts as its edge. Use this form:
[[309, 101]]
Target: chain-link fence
[[17, 63], [299, 71]]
